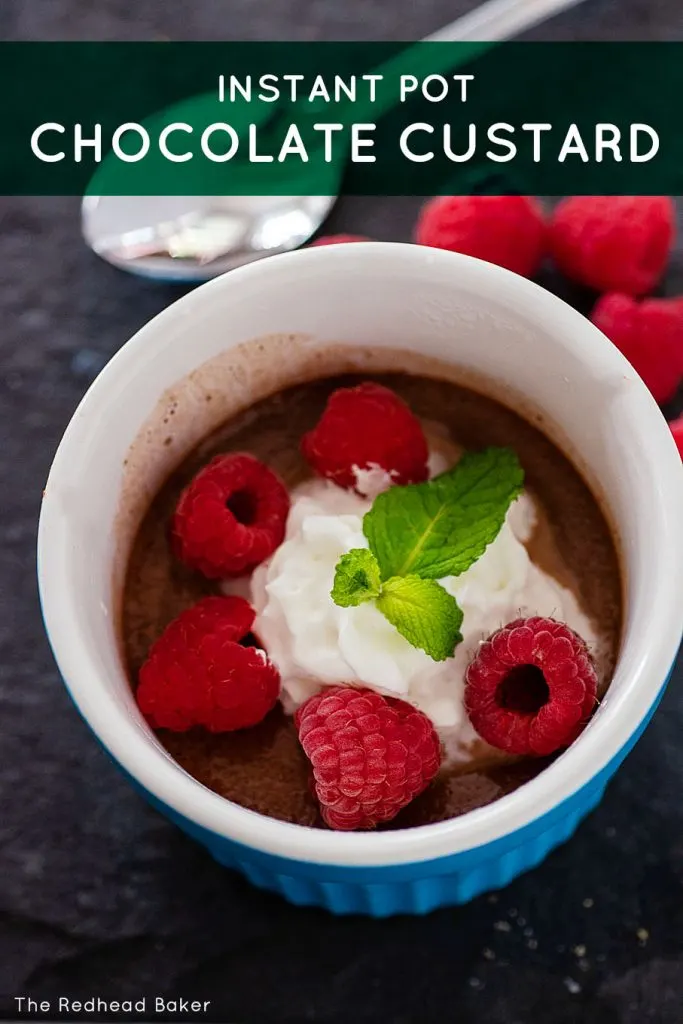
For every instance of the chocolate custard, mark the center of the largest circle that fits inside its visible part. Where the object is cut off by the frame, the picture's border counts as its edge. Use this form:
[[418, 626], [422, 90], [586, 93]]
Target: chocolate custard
[[264, 768]]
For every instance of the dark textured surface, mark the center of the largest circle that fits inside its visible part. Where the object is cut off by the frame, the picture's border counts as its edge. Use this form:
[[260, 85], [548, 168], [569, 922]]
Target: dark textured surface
[[99, 895]]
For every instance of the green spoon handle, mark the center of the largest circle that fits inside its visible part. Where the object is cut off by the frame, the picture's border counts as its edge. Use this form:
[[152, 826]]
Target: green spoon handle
[[480, 30]]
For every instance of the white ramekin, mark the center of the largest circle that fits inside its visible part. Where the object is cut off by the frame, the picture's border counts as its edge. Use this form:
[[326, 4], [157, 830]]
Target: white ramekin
[[358, 305]]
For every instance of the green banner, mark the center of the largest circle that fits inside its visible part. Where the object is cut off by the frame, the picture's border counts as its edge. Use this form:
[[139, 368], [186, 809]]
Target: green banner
[[361, 118]]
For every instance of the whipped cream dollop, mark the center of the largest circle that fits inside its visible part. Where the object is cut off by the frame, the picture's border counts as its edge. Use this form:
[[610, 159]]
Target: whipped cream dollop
[[314, 642]]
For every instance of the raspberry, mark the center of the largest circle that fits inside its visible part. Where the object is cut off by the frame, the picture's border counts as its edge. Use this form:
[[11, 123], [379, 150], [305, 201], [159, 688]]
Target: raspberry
[[367, 427], [371, 755], [531, 687], [650, 335], [677, 431], [507, 230], [197, 672], [231, 517], [613, 243], [337, 239]]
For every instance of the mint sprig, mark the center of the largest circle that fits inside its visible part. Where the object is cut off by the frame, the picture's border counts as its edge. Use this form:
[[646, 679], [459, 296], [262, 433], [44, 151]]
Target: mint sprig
[[421, 533]]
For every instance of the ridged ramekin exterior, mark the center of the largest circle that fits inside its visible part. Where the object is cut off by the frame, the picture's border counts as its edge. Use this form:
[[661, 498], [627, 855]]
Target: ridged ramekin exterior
[[414, 888]]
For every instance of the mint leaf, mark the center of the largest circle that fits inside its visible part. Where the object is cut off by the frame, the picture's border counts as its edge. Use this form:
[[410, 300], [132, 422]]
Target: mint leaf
[[440, 528], [356, 578], [424, 613]]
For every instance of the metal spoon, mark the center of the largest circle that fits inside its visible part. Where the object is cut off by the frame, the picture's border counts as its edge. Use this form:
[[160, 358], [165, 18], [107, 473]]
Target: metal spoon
[[194, 238]]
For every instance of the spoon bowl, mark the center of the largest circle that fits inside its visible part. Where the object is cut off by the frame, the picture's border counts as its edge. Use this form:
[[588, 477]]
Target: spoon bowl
[[193, 238]]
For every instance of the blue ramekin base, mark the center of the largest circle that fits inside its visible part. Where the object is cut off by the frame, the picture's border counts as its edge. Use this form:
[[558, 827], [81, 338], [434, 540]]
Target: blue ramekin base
[[414, 888], [417, 887]]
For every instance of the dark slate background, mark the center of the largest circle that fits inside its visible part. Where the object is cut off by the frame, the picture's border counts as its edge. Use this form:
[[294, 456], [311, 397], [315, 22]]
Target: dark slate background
[[99, 895]]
